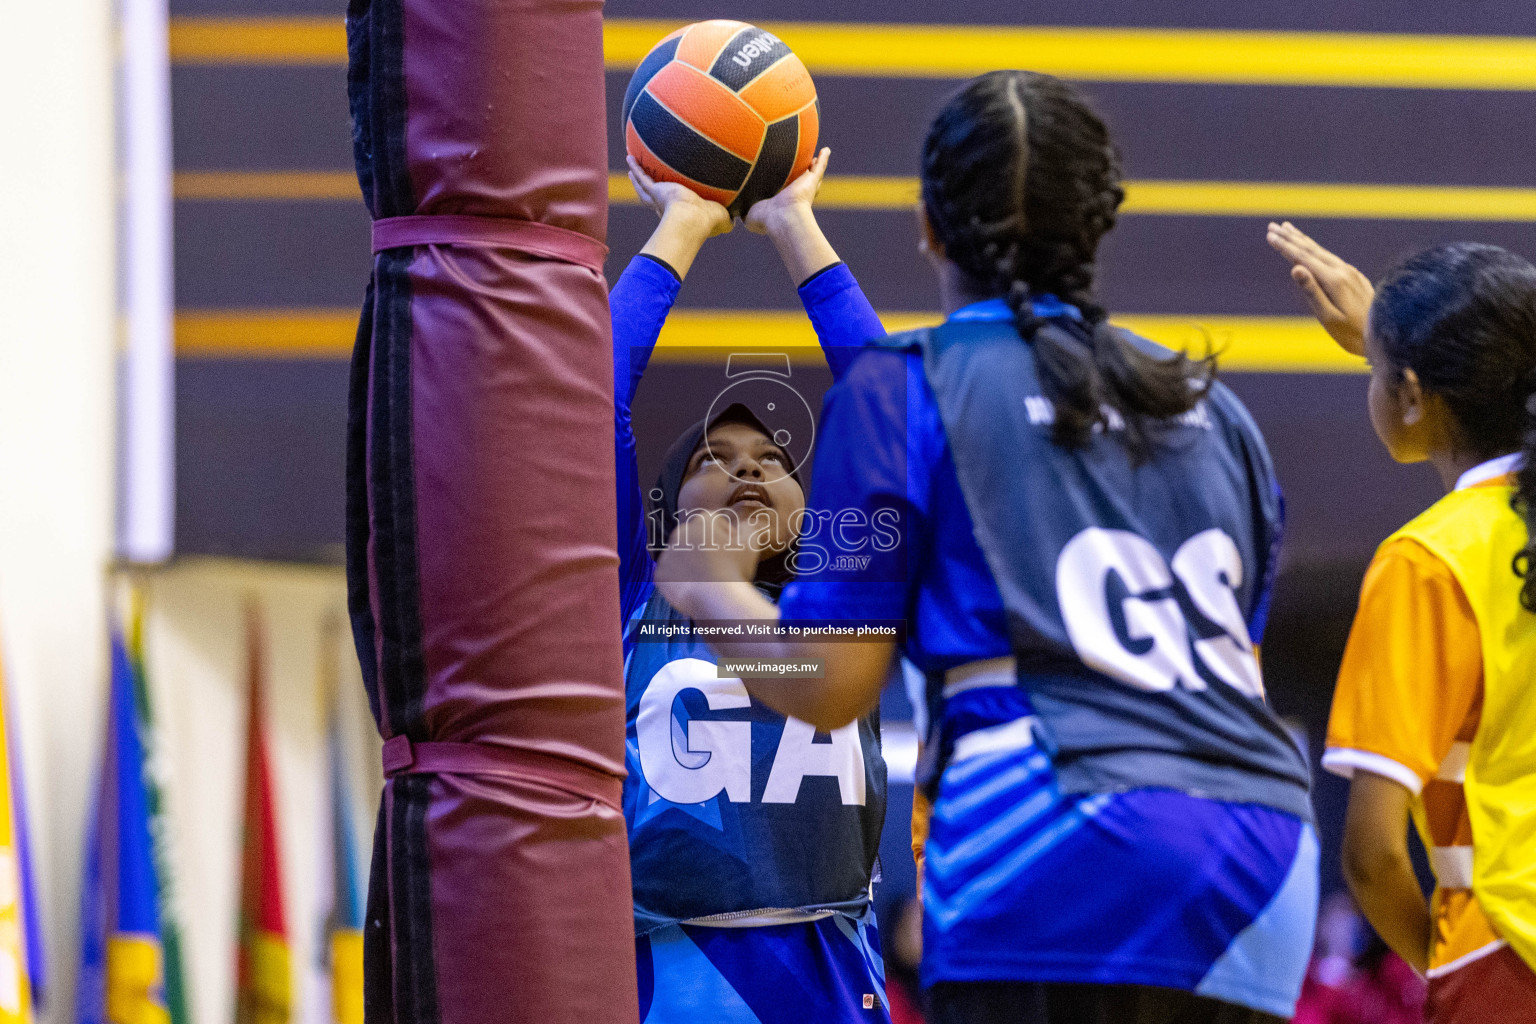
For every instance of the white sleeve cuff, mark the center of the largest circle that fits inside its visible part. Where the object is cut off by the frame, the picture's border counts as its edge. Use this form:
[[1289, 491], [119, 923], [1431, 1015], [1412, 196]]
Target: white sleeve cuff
[[1343, 761]]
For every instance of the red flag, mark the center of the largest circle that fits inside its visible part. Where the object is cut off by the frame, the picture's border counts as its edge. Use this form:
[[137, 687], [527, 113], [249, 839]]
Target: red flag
[[264, 977]]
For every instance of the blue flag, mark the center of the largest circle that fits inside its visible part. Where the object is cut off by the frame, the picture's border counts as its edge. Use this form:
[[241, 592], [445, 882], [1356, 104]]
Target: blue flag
[[123, 970], [31, 918], [346, 919]]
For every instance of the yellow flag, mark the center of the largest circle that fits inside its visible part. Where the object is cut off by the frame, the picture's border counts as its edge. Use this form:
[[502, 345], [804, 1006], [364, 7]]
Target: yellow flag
[[135, 982], [347, 976], [15, 989]]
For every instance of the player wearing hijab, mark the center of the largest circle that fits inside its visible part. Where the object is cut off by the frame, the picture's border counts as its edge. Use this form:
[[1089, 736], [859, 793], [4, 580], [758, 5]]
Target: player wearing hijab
[[1089, 526], [752, 842]]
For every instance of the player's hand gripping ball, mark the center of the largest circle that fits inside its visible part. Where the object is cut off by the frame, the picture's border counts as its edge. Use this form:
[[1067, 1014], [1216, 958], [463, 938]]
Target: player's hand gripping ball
[[725, 109]]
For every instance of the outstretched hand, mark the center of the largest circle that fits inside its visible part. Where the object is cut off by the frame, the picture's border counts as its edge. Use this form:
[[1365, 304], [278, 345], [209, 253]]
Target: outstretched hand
[[765, 214], [668, 197], [1337, 292]]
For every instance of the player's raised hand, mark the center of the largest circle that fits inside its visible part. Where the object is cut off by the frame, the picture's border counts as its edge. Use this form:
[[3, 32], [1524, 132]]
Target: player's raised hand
[[1338, 293], [798, 195], [688, 220], [668, 197], [789, 221]]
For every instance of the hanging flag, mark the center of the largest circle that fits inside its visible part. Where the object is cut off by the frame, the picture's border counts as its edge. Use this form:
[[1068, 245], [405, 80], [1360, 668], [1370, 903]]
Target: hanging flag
[[16, 902], [264, 971], [31, 918], [346, 918], [345, 921], [334, 990], [123, 974], [159, 823]]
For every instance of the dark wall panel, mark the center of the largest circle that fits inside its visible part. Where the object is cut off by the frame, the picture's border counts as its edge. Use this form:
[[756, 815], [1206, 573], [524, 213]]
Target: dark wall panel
[[1499, 17], [1490, 17], [1148, 264], [1344, 494], [239, 118], [271, 254], [261, 458], [1222, 265], [291, 253]]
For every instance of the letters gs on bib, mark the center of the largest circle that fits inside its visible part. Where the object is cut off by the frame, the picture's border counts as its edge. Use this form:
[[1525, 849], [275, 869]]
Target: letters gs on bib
[[1121, 603], [696, 763]]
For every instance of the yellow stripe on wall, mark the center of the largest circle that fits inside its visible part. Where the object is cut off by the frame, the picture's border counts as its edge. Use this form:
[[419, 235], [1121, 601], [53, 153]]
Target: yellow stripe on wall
[[1304, 199], [266, 333], [258, 41], [708, 335], [1246, 343], [1250, 344], [956, 51], [1220, 199], [838, 192], [267, 185]]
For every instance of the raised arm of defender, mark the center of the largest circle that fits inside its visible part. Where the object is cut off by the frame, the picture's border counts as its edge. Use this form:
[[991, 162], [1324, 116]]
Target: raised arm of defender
[[1338, 293]]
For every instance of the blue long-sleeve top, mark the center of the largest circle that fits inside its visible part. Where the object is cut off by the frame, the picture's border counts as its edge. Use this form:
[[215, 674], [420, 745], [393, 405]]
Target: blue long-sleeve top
[[842, 316]]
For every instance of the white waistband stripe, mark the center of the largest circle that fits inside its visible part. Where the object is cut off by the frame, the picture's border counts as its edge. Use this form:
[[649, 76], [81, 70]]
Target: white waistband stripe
[[974, 675], [1018, 734]]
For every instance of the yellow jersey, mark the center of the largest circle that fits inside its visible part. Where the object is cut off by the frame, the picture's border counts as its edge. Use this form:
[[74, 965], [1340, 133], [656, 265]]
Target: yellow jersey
[[1438, 693]]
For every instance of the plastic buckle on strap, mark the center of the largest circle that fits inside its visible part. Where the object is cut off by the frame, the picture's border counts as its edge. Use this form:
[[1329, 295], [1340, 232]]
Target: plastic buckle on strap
[[398, 754]]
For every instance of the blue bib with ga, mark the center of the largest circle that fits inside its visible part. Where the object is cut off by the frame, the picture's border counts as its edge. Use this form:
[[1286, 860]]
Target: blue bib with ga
[[733, 809], [1130, 585]]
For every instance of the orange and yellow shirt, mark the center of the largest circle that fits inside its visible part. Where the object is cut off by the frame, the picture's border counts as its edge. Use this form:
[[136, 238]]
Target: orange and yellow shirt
[[1408, 706]]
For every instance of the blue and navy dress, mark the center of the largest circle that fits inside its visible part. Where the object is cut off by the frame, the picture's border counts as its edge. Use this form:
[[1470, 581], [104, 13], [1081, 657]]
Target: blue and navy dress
[[1114, 801], [752, 838]]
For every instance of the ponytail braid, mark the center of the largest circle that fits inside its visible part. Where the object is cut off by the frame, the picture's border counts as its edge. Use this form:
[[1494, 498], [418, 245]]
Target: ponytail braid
[[1525, 500], [1038, 234]]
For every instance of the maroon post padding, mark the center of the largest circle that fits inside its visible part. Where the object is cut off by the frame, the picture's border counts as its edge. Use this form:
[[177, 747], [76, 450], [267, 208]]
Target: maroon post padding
[[481, 531]]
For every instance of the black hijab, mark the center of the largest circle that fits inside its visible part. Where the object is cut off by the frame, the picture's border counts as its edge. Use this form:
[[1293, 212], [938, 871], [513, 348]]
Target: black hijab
[[773, 572]]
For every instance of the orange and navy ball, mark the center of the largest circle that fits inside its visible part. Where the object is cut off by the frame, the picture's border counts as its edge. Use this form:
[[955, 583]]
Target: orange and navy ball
[[724, 108]]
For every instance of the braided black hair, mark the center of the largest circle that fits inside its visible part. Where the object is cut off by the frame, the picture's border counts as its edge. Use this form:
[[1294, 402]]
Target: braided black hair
[[1462, 317], [1020, 182]]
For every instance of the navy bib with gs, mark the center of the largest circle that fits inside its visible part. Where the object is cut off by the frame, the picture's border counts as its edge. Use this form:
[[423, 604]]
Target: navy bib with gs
[[1129, 585], [733, 809]]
